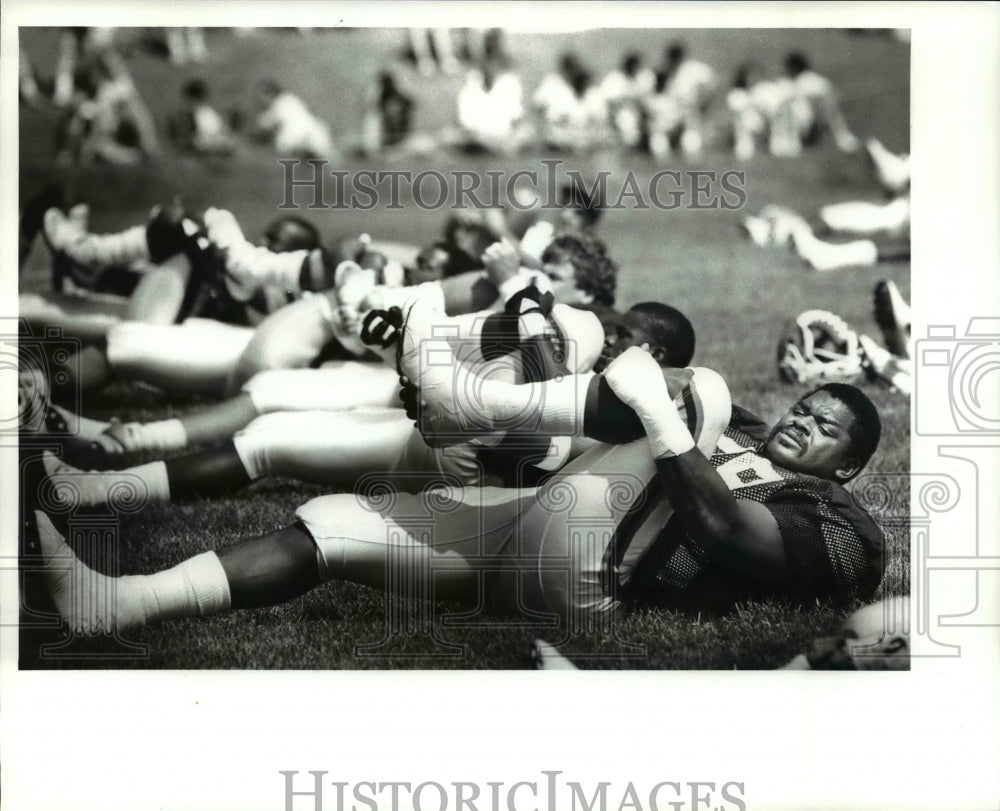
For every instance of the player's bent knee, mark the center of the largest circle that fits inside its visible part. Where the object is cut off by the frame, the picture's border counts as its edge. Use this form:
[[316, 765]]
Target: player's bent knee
[[713, 404]]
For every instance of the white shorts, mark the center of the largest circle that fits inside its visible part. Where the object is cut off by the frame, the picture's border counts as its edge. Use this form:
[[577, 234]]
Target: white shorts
[[337, 386]]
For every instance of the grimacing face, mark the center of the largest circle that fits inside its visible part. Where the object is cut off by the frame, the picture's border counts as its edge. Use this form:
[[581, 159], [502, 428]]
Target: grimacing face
[[813, 438]]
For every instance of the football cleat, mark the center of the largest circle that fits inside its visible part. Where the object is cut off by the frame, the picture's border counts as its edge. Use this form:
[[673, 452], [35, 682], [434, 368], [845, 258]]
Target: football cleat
[[818, 347], [892, 314]]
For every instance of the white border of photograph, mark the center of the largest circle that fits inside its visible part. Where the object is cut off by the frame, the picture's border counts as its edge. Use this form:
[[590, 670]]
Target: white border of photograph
[[927, 739]]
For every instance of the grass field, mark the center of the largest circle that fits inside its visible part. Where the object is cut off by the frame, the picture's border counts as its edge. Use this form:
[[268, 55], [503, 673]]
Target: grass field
[[736, 295]]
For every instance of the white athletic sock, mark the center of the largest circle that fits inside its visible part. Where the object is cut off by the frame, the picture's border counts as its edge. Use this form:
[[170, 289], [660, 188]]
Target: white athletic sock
[[553, 407], [824, 256], [196, 587], [119, 489], [92, 603], [109, 249], [161, 435]]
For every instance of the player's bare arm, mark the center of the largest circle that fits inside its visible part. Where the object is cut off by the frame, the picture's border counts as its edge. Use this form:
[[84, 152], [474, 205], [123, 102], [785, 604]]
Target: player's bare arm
[[739, 534]]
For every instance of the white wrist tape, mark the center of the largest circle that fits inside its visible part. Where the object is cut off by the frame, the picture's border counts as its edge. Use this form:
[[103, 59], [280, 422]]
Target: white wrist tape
[[667, 434]]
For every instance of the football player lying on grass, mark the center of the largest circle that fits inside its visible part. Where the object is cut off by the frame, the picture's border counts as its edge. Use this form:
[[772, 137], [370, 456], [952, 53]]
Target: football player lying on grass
[[885, 226], [341, 448], [765, 516], [164, 271], [205, 355]]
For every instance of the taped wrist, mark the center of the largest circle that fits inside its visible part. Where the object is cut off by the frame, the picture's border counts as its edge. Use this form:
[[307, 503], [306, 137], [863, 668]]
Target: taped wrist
[[669, 436]]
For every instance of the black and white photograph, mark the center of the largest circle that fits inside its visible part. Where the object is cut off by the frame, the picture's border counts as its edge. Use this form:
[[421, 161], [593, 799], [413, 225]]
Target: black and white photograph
[[461, 340]]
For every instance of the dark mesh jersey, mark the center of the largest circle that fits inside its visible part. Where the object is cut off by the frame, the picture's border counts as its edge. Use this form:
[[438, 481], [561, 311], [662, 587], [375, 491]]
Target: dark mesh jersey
[[833, 547]]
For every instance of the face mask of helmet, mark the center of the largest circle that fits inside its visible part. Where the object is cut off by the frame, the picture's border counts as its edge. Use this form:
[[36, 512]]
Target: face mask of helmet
[[818, 347]]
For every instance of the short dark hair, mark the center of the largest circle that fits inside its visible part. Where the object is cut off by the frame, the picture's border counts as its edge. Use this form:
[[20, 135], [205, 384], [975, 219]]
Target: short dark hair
[[675, 52], [569, 63], [631, 63], [590, 206], [594, 271], [195, 89], [744, 72], [307, 237], [669, 329], [796, 63], [866, 428]]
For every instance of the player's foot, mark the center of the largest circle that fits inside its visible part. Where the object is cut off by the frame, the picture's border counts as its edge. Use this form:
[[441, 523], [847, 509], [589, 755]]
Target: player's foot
[[446, 411], [783, 222], [892, 314], [846, 141], [59, 230], [73, 488], [892, 171], [87, 601], [758, 229], [823, 256], [884, 365], [545, 657]]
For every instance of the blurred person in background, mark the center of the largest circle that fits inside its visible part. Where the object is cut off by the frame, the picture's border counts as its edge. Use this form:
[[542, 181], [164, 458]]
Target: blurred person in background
[[692, 84], [387, 121], [109, 123], [624, 92], [810, 109], [77, 47], [749, 119], [198, 127], [490, 110], [287, 123], [663, 118]]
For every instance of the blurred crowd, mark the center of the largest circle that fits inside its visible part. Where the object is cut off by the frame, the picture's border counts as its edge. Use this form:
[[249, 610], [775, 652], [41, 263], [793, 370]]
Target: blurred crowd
[[673, 104]]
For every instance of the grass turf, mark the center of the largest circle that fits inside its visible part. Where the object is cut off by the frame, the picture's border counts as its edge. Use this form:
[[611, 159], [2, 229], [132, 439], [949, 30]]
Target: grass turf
[[736, 295]]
